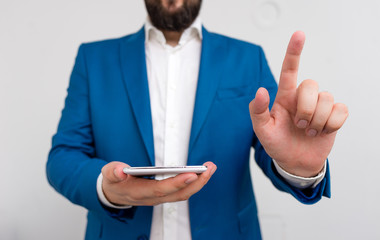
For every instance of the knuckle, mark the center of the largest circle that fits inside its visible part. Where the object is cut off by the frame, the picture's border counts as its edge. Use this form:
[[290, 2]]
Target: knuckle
[[307, 112]]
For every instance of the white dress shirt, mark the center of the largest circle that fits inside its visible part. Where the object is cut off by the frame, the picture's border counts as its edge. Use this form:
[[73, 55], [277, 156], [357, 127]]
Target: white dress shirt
[[172, 78]]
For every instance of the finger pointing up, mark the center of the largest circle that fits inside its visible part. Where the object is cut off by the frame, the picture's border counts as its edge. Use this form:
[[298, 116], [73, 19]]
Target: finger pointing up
[[288, 77]]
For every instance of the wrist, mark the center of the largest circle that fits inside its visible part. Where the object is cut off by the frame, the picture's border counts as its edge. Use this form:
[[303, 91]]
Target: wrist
[[105, 199], [302, 170], [301, 182]]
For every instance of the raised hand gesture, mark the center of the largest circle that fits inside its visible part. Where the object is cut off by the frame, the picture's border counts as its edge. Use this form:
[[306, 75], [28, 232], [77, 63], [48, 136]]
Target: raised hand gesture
[[300, 129]]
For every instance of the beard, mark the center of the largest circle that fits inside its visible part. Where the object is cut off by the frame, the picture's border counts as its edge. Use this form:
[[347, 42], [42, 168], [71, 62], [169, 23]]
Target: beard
[[175, 20]]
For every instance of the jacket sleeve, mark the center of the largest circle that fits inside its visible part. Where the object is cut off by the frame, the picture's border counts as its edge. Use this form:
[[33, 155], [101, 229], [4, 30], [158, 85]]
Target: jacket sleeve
[[72, 167], [306, 196]]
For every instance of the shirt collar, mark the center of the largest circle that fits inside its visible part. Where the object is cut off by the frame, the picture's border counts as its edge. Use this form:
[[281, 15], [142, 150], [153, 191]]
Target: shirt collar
[[194, 31]]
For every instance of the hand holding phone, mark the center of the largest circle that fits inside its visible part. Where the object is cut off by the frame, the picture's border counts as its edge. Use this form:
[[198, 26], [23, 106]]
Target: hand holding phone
[[148, 171], [126, 189]]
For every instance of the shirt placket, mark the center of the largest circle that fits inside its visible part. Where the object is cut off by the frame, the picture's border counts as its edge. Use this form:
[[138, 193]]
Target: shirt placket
[[171, 155]]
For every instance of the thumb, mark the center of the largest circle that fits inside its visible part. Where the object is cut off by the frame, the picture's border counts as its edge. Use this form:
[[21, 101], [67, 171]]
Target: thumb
[[113, 172], [259, 108]]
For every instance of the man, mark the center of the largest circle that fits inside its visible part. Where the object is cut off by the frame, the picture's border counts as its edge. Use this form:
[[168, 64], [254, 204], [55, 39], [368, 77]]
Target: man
[[175, 94]]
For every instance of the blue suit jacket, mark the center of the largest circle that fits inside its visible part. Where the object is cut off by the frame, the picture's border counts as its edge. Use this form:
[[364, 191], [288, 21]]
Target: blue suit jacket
[[107, 118]]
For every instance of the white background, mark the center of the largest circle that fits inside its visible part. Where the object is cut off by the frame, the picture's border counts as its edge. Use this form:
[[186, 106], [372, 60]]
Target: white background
[[38, 43]]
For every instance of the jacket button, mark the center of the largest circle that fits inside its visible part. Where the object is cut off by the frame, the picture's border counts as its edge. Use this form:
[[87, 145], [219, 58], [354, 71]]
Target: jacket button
[[142, 237]]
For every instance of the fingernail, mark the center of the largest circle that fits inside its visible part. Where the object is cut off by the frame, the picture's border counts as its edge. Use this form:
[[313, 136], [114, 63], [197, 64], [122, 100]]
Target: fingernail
[[312, 132], [191, 179], [302, 124]]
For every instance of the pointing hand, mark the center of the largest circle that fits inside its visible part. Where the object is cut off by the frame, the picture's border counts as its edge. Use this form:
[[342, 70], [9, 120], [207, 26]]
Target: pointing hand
[[300, 129]]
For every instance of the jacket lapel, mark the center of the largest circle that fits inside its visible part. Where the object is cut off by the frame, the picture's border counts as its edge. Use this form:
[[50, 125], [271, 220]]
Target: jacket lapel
[[208, 82], [132, 57]]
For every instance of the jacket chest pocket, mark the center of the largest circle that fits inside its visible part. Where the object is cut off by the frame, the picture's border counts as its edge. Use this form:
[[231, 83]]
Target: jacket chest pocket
[[235, 93]]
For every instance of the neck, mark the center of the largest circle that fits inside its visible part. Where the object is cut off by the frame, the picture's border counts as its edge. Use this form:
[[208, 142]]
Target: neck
[[172, 37]]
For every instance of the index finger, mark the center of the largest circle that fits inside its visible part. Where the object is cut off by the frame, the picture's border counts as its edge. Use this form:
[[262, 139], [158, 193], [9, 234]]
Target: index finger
[[289, 71]]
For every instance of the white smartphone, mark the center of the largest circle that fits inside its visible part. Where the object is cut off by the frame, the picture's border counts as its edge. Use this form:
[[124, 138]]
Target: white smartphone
[[148, 171]]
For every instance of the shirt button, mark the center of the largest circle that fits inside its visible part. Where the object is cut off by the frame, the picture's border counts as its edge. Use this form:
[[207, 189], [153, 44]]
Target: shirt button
[[171, 210]]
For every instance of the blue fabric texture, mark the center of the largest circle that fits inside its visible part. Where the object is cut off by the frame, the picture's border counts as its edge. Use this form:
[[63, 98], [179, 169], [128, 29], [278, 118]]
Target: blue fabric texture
[[107, 117]]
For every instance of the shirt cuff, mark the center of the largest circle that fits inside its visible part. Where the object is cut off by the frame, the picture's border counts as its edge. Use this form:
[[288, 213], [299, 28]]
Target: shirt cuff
[[102, 197], [301, 182]]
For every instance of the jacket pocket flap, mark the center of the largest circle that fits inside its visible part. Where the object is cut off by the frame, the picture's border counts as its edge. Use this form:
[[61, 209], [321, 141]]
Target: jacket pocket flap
[[230, 93]]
